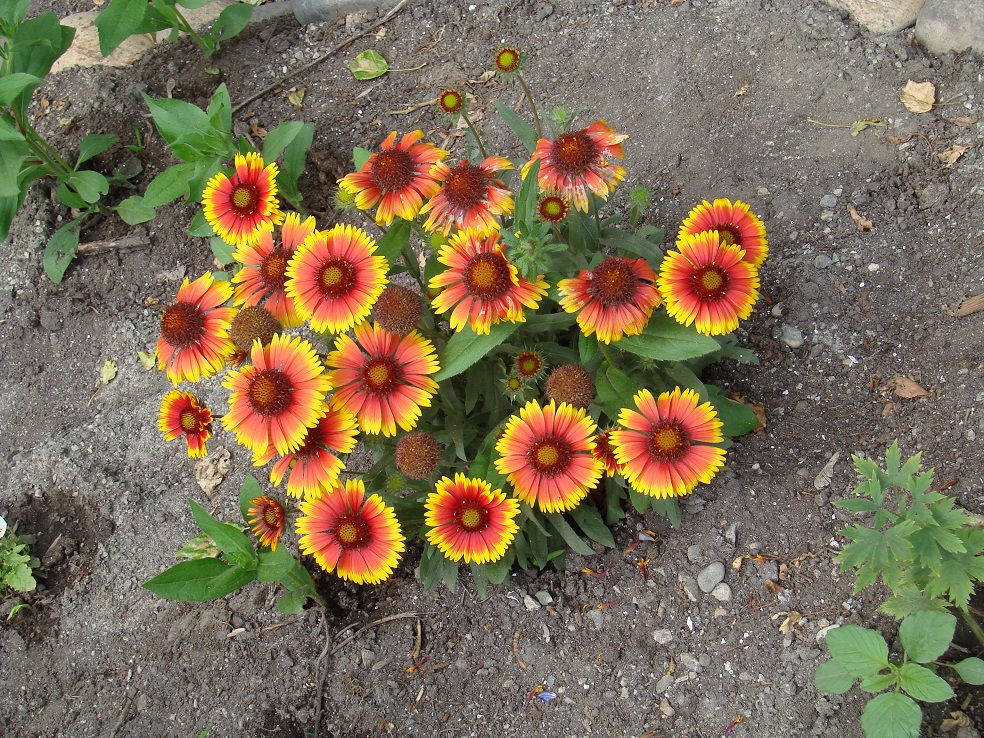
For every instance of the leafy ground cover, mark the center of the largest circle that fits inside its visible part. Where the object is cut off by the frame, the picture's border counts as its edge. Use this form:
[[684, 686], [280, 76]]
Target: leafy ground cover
[[860, 333]]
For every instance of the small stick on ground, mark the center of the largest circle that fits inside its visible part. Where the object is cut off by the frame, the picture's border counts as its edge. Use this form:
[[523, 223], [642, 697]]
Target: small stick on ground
[[373, 624], [522, 664], [129, 243]]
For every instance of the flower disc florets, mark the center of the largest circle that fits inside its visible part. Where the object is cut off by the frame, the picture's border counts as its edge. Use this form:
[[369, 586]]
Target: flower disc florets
[[398, 310], [252, 323], [509, 61], [451, 102], [418, 454], [571, 384]]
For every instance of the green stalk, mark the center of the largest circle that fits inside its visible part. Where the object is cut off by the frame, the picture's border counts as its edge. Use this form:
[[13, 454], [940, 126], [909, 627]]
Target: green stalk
[[529, 96], [186, 27], [974, 626], [607, 353], [594, 202], [478, 139]]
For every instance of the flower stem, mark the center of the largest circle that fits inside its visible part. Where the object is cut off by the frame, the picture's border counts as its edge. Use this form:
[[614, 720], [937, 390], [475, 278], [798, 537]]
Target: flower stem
[[478, 139], [607, 353], [529, 96], [594, 201], [974, 626], [186, 27]]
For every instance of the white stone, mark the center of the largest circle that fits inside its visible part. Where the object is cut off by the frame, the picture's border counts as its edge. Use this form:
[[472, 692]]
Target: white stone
[[881, 16]]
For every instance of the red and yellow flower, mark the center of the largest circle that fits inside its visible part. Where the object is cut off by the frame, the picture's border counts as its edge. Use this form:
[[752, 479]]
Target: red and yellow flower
[[470, 521], [182, 414], [313, 468], [708, 284], [194, 341], [266, 518], [547, 455], [357, 538], [398, 178], [335, 278], [614, 299], [276, 400], [529, 364], [240, 207], [264, 272], [553, 209], [605, 453], [663, 448], [481, 285], [382, 378], [735, 223], [578, 161], [470, 197]]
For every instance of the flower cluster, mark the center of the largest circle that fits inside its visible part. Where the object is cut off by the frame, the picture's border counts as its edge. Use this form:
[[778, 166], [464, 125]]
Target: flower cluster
[[525, 343]]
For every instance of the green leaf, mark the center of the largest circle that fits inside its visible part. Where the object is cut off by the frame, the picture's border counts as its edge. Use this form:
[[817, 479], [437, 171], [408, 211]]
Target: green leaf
[[926, 635], [737, 419], [497, 571], [923, 684], [466, 347], [632, 244], [668, 508], [971, 670], [368, 65], [89, 185], [878, 682], [891, 715], [13, 12], [274, 565], [35, 46], [176, 118], [280, 138], [396, 238], [571, 538], [93, 145], [199, 226], [876, 552], [291, 603], [231, 21], [860, 651], [169, 185], [858, 505], [134, 210], [200, 580], [229, 538], [360, 156], [117, 22], [523, 130], [8, 132], [832, 678], [957, 577], [526, 201], [666, 340], [295, 157], [14, 84], [614, 390], [205, 169], [12, 157], [908, 599], [60, 251], [8, 209], [591, 524], [20, 578], [587, 347], [247, 493], [222, 251]]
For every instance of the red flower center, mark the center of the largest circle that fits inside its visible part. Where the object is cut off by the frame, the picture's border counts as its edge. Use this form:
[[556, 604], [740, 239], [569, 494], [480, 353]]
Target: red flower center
[[337, 278], [574, 153], [190, 421], [451, 101], [269, 393], [514, 384], [273, 515], [487, 276], [381, 375], [553, 209], [710, 282], [728, 234], [528, 364], [183, 324], [273, 268], [466, 186], [550, 456], [245, 199], [351, 531], [668, 442], [471, 516], [393, 169], [507, 60], [612, 282]]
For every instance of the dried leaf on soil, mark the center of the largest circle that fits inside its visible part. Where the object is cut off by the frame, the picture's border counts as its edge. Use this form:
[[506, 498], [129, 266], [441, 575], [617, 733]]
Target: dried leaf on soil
[[859, 125], [108, 371], [146, 358], [950, 156], [793, 618], [773, 587], [368, 65], [919, 96], [257, 131], [864, 225], [296, 97], [742, 90], [907, 388], [210, 471], [967, 121], [970, 306], [826, 474]]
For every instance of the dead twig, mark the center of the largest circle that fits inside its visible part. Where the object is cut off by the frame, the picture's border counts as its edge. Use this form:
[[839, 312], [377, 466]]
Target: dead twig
[[373, 624], [331, 52], [130, 696], [129, 243], [515, 645]]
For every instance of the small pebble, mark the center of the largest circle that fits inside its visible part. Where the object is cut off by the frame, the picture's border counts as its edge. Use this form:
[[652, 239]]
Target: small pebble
[[822, 261], [544, 598], [710, 576], [690, 587], [530, 603], [721, 592], [828, 201], [693, 553], [664, 683], [792, 336], [731, 533], [663, 636]]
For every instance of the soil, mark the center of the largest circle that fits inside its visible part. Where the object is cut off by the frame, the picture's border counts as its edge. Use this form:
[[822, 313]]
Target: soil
[[751, 100]]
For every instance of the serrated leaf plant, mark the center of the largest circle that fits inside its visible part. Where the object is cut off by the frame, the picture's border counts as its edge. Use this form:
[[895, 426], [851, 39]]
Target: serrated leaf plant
[[862, 655], [17, 565], [521, 367]]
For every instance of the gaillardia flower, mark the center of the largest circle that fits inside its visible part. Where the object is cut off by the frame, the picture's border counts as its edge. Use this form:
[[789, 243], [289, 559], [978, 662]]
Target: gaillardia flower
[[578, 161], [398, 309], [275, 401], [572, 384], [553, 209], [735, 223], [357, 538], [547, 455], [451, 102], [508, 59], [313, 468], [708, 284], [470, 521], [266, 518], [614, 299], [662, 448], [605, 453], [481, 285], [194, 341], [382, 378], [470, 197], [238, 209], [264, 271], [183, 415], [398, 178], [418, 454], [252, 323], [335, 278], [529, 364]]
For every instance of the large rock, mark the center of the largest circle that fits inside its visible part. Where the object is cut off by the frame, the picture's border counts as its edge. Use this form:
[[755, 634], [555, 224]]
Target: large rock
[[882, 16], [946, 25]]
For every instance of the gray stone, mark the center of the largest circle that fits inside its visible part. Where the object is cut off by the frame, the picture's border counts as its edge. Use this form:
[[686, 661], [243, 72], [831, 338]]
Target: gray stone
[[945, 25], [530, 603], [663, 636], [731, 533], [822, 261], [881, 16], [544, 598], [596, 617], [968, 732], [693, 553], [792, 336], [828, 201], [664, 683], [721, 592], [710, 576], [690, 588]]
